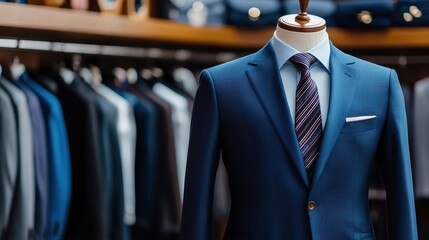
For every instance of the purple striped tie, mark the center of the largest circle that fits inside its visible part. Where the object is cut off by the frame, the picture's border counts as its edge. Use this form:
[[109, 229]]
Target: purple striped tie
[[308, 119]]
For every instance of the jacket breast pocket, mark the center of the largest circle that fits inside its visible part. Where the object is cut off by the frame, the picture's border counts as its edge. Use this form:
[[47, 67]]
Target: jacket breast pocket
[[367, 236], [359, 126]]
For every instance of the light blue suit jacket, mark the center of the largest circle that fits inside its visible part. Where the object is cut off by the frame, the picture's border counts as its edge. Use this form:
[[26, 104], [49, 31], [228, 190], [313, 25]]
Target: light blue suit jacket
[[241, 109]]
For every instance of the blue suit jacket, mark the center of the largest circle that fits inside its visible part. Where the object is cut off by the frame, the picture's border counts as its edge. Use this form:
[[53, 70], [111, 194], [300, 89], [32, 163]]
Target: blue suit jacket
[[59, 169], [241, 109]]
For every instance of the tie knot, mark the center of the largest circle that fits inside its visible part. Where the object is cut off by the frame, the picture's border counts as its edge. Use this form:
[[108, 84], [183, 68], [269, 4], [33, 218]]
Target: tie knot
[[303, 61]]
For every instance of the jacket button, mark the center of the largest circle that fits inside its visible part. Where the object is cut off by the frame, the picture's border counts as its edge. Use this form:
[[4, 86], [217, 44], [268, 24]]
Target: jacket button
[[311, 205]]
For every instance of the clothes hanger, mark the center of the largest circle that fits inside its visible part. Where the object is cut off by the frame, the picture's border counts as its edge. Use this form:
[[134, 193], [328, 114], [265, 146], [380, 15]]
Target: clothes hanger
[[16, 69], [157, 73], [120, 75], [186, 80], [146, 74], [88, 76], [132, 75], [66, 74], [96, 74]]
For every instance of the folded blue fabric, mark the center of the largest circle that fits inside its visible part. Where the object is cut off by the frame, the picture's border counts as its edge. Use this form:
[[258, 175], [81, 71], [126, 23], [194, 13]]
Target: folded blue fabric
[[325, 9], [412, 13], [208, 12], [253, 13], [365, 14]]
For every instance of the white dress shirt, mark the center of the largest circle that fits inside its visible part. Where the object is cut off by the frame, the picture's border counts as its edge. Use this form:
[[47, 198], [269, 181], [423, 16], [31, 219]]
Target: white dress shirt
[[291, 75]]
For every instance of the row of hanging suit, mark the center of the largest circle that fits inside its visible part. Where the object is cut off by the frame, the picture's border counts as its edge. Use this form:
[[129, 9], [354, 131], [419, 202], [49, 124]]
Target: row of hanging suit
[[81, 159]]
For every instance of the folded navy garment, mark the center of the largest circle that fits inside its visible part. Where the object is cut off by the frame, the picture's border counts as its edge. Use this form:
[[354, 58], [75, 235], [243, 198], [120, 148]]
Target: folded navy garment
[[325, 9], [412, 13], [197, 13], [365, 13], [254, 13]]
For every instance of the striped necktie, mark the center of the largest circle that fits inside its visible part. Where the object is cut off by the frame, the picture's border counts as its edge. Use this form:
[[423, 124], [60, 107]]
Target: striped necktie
[[308, 118]]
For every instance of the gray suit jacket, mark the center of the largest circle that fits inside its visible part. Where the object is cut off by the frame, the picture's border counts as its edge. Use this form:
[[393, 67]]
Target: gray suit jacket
[[421, 138], [21, 221], [8, 156]]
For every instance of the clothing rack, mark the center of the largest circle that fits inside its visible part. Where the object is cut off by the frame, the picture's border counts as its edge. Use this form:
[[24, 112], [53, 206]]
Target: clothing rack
[[178, 55]]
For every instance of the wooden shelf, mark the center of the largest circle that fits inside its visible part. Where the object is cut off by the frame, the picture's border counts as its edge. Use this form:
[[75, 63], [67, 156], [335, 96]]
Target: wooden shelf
[[54, 24]]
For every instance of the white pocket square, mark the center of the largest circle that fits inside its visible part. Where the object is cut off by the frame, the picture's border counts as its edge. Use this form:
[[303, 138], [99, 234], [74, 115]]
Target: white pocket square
[[360, 118]]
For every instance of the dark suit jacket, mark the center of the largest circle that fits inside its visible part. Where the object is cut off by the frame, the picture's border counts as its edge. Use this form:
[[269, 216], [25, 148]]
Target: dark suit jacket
[[145, 165], [87, 219], [112, 164], [241, 108], [169, 204]]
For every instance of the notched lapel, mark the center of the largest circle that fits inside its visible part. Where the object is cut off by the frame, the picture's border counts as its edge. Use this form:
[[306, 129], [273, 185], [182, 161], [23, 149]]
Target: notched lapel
[[344, 78], [266, 82]]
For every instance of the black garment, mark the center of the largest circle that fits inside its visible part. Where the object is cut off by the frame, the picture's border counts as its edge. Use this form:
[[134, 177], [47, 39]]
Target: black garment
[[168, 209], [111, 159], [88, 214]]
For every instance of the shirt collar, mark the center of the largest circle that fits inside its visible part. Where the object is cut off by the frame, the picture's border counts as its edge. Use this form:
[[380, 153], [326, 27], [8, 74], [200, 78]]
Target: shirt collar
[[284, 51]]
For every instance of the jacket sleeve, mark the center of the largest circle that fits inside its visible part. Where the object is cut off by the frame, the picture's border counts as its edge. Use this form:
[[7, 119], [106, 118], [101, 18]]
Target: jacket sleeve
[[203, 159], [396, 168]]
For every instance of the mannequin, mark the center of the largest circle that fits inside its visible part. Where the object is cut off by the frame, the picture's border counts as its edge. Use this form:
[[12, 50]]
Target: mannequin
[[241, 114], [301, 31]]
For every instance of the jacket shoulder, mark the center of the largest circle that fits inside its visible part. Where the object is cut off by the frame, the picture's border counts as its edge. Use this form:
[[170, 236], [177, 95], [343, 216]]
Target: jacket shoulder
[[229, 69], [364, 66]]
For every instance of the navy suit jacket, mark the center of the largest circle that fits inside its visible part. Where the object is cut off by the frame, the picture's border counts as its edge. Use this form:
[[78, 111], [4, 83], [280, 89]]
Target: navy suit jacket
[[146, 164], [241, 108]]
